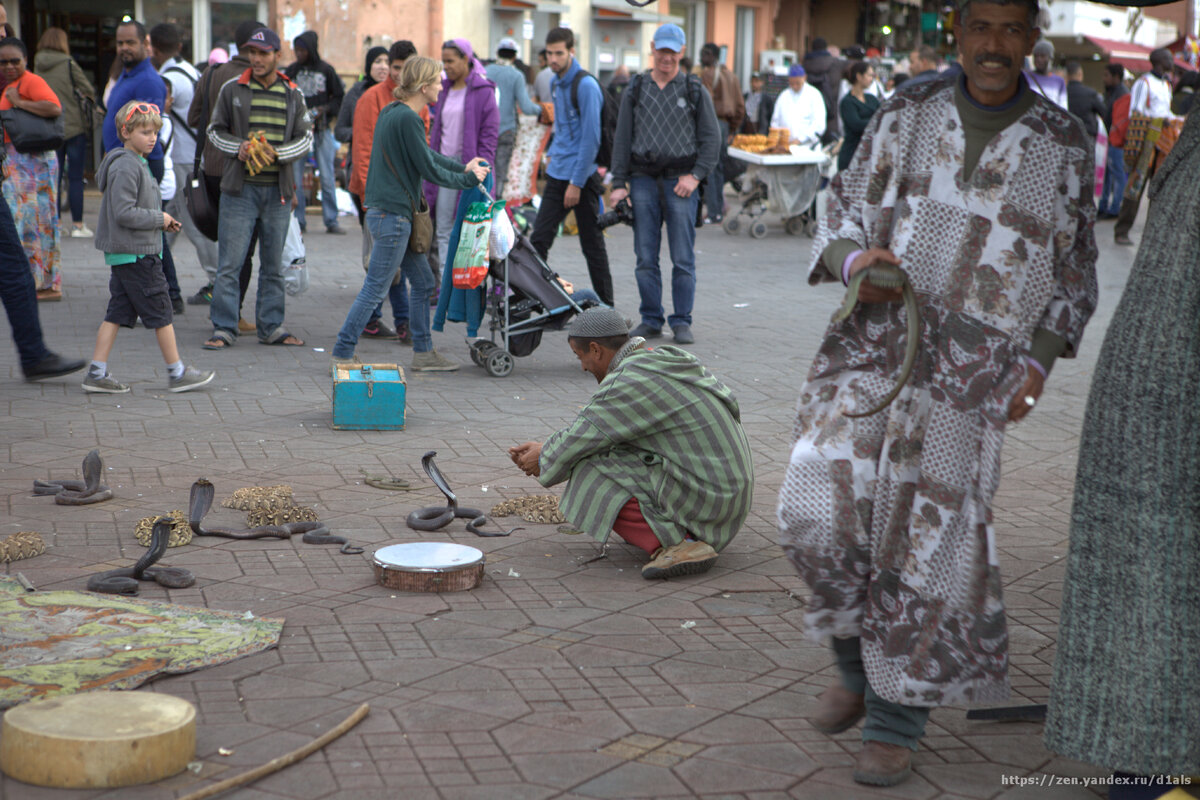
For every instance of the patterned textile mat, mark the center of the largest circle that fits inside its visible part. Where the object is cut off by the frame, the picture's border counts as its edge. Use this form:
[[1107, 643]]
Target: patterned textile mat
[[63, 641]]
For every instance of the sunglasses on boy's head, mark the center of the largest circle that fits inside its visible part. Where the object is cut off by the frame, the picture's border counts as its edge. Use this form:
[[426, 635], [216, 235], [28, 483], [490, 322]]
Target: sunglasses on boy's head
[[141, 108]]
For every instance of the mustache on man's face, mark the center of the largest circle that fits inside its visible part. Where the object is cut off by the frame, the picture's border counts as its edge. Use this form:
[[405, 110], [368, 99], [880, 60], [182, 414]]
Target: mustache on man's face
[[998, 58]]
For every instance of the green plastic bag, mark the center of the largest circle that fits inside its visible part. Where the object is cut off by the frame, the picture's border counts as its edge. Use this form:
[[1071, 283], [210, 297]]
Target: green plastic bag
[[471, 258]]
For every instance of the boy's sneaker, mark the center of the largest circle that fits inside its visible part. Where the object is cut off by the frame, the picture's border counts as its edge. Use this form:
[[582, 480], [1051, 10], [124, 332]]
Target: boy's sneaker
[[202, 297], [82, 232], [432, 362], [403, 334], [191, 378], [106, 385]]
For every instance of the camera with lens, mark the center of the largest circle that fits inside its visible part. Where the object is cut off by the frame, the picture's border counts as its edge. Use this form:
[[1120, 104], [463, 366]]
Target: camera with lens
[[621, 212]]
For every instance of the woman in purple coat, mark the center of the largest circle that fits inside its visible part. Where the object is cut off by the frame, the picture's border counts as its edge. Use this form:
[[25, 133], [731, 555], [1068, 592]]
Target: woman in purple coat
[[466, 125]]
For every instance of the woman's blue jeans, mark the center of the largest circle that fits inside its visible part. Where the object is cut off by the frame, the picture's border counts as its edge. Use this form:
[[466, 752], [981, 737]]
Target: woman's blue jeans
[[390, 233], [74, 150]]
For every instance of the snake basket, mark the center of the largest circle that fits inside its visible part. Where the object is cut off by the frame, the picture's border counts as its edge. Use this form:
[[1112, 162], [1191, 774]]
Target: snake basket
[[428, 567]]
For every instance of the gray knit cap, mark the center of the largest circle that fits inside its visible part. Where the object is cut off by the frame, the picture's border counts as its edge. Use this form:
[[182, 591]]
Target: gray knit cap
[[598, 322]]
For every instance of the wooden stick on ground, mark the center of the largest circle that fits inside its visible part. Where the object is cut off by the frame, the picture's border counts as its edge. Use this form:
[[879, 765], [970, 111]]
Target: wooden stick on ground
[[283, 761]]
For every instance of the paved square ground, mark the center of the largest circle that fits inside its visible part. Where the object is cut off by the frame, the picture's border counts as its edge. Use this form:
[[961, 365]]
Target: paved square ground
[[553, 679]]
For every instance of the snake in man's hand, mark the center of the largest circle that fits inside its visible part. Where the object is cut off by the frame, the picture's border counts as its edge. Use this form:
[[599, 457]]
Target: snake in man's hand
[[887, 276]]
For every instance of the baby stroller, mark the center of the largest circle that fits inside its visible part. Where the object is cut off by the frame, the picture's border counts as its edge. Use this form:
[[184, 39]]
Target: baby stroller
[[524, 299]]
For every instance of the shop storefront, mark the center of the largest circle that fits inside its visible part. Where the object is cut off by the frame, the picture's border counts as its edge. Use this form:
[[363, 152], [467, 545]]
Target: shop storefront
[[617, 37], [527, 22], [91, 25]]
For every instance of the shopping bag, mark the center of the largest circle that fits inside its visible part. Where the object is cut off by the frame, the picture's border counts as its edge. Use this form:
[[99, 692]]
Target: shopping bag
[[471, 258], [295, 277], [502, 236], [295, 271]]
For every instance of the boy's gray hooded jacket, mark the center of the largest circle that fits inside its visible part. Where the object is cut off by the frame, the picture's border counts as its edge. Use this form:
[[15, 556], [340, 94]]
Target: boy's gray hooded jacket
[[131, 217]]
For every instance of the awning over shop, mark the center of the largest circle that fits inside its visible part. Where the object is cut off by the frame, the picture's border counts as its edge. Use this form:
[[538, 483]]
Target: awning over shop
[[1134, 57], [532, 5], [616, 11]]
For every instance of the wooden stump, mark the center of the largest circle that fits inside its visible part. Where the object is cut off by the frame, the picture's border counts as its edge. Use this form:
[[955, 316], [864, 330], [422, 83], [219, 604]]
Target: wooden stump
[[98, 739]]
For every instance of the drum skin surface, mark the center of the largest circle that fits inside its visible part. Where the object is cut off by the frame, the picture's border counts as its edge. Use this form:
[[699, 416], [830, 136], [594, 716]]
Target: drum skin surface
[[428, 567], [98, 739]]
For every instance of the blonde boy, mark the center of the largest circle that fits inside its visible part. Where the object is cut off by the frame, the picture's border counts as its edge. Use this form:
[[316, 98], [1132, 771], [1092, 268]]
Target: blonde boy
[[130, 234]]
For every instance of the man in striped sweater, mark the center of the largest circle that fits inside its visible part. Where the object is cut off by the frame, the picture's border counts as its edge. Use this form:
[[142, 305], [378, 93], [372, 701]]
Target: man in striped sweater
[[658, 454], [261, 99]]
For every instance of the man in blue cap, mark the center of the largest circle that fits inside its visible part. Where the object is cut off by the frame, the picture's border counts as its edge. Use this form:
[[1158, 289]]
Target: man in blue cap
[[800, 108], [667, 142]]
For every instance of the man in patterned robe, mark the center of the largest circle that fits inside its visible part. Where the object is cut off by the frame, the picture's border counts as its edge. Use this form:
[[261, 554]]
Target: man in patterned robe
[[981, 190], [658, 454]]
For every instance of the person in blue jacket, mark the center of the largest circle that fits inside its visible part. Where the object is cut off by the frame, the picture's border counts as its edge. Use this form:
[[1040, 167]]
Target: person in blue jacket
[[572, 181]]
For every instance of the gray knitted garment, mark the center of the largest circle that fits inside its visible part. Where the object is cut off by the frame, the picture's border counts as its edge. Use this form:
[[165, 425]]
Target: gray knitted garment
[[1126, 687]]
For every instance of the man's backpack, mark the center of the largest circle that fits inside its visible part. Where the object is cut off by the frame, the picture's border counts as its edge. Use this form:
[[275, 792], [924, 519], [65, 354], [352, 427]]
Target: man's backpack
[[180, 122], [608, 117]]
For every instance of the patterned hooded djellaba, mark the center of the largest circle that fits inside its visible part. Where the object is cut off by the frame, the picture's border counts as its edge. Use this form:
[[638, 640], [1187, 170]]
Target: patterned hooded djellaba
[[888, 518]]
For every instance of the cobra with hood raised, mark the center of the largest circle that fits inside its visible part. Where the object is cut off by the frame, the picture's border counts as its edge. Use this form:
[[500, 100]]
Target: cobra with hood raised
[[230, 126]]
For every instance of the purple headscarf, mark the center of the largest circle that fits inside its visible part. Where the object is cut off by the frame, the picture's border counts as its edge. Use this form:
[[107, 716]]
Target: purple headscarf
[[468, 52]]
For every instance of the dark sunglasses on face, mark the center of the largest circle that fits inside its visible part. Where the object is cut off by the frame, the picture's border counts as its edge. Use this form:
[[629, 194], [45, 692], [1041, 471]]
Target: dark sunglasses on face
[[10, 62]]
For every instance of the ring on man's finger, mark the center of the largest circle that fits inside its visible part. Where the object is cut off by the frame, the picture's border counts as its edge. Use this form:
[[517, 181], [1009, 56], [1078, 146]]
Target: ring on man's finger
[[1030, 401]]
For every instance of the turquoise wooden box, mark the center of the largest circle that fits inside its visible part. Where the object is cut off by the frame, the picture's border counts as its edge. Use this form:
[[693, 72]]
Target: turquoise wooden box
[[368, 397]]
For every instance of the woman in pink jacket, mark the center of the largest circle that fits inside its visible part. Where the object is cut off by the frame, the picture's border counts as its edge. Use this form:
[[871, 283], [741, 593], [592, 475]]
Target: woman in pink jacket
[[466, 125]]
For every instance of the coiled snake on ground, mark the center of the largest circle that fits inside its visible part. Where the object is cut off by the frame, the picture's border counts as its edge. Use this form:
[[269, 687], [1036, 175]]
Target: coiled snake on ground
[[125, 580], [78, 493], [432, 518], [887, 276], [311, 532]]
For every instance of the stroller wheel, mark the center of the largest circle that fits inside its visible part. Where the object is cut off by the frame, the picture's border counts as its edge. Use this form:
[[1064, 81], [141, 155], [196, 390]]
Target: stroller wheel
[[732, 225], [758, 229], [477, 349], [498, 363], [794, 225]]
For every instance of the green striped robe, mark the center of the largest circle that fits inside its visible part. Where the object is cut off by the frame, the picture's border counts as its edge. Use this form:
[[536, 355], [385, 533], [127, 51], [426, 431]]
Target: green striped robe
[[662, 429]]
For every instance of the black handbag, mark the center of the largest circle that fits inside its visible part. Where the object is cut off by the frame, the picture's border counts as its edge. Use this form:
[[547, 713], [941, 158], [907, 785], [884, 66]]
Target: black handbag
[[30, 133], [87, 106], [203, 207]]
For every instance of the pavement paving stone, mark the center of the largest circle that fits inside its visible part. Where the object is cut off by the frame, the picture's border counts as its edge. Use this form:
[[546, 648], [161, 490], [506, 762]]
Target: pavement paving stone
[[554, 678]]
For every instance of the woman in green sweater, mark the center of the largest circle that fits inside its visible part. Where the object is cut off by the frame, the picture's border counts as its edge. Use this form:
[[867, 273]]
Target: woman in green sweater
[[856, 108], [400, 158]]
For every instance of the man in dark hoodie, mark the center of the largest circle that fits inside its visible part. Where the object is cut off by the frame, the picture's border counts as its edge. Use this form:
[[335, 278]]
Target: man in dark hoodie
[[323, 92], [823, 71]]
